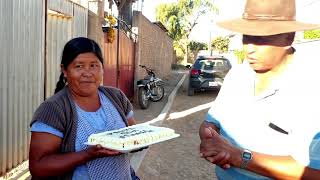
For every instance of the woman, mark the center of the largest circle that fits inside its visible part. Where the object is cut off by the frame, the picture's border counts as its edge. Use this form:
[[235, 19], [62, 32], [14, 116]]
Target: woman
[[79, 108], [263, 124]]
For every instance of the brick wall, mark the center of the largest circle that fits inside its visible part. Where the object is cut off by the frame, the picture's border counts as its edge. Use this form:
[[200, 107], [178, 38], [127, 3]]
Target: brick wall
[[154, 48]]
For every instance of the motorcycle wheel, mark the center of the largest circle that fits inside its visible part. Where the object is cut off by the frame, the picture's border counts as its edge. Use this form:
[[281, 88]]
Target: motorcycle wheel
[[157, 93], [142, 98]]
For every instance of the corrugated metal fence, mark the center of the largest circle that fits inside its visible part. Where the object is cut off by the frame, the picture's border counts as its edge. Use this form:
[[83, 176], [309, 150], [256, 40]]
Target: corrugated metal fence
[[23, 67], [70, 21], [21, 76]]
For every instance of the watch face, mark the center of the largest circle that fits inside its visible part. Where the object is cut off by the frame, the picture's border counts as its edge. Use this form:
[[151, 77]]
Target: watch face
[[246, 155]]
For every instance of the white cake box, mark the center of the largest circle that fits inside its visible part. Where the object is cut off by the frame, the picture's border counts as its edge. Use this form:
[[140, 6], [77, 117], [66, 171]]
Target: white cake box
[[132, 137]]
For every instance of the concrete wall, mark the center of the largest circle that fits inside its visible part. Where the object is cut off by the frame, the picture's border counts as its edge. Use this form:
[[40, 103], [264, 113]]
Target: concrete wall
[[154, 48]]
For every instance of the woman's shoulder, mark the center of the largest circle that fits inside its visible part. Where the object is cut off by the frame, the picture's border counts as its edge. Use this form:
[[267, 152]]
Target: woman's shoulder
[[57, 99], [111, 90], [116, 95], [53, 111], [62, 94]]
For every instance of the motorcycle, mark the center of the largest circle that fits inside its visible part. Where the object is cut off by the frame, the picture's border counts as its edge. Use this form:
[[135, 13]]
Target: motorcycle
[[149, 89]]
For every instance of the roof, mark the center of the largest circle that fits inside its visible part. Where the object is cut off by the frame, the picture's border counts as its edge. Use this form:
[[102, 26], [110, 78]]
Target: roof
[[211, 57], [161, 26]]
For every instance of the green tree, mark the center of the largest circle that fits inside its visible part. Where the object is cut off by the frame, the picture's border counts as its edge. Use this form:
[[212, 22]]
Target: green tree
[[180, 18], [195, 47], [240, 54], [312, 34], [221, 44]]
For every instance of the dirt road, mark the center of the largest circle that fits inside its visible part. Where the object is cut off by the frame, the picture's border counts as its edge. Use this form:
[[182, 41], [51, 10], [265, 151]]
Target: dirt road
[[178, 159], [144, 115]]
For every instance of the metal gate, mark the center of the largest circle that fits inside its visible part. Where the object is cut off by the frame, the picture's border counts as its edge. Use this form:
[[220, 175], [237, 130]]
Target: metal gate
[[120, 72]]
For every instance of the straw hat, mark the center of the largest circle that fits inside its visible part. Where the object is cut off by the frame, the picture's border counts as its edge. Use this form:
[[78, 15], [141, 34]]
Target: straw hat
[[267, 17]]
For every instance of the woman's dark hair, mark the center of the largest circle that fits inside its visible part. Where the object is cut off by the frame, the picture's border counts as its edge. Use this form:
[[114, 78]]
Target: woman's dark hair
[[71, 50]]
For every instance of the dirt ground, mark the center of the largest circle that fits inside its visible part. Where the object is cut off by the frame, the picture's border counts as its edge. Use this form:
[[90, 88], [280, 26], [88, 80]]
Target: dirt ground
[[179, 159]]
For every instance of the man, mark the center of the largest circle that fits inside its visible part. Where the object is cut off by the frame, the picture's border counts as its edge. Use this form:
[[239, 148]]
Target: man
[[265, 122]]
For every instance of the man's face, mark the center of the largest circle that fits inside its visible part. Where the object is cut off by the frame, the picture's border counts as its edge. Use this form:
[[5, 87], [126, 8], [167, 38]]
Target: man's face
[[266, 52]]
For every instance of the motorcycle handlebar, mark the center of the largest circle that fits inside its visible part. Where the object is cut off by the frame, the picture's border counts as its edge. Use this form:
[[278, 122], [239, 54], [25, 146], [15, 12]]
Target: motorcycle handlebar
[[147, 69]]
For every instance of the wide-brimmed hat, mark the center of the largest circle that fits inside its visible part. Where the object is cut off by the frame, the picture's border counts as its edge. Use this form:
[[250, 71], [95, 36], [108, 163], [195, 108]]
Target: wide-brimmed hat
[[267, 17]]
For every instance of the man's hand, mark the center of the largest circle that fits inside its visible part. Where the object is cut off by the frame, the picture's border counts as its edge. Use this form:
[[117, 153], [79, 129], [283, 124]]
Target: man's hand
[[216, 149]]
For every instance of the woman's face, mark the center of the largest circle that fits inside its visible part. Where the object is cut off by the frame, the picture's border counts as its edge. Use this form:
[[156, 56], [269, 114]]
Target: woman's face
[[84, 74], [266, 52]]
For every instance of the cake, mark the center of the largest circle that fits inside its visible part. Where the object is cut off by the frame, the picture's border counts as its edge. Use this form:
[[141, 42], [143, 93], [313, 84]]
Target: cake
[[132, 136]]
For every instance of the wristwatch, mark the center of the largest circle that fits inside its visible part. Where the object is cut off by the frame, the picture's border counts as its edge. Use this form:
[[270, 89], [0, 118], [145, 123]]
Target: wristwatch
[[246, 158]]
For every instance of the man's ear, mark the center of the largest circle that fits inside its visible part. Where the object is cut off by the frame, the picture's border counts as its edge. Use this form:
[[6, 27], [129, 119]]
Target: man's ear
[[288, 48], [290, 39]]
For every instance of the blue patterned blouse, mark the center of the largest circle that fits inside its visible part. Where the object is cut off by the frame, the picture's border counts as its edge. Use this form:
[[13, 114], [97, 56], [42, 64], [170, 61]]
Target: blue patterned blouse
[[104, 119]]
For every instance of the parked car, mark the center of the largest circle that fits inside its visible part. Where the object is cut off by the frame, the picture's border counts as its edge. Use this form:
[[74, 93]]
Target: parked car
[[207, 72]]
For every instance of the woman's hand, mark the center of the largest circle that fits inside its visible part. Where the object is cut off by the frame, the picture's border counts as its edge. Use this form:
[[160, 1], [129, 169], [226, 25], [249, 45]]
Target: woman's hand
[[217, 150], [98, 151]]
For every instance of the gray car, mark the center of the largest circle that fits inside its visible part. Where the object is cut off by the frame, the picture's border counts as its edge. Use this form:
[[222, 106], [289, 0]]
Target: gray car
[[208, 73]]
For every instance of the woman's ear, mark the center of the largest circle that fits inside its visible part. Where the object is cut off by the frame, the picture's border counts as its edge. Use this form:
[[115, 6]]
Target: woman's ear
[[63, 71]]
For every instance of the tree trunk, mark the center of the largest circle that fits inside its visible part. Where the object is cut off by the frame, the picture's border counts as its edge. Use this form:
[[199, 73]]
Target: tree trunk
[[185, 57]]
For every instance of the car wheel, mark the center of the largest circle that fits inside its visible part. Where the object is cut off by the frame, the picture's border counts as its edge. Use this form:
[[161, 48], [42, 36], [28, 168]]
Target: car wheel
[[190, 91]]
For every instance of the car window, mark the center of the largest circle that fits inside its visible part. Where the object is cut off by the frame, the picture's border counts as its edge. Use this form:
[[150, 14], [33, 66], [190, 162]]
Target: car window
[[207, 65], [210, 64]]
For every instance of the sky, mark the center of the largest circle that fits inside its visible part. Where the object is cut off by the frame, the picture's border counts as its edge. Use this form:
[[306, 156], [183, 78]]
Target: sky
[[149, 9], [307, 11]]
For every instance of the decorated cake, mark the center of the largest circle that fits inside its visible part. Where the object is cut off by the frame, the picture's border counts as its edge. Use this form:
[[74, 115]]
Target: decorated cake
[[132, 136]]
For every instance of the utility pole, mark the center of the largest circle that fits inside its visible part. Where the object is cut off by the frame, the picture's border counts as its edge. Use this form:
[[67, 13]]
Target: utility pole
[[118, 44], [209, 44]]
